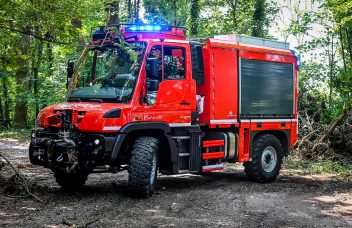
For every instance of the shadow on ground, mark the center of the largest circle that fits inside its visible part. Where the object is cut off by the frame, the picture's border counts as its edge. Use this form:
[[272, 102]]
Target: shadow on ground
[[221, 199]]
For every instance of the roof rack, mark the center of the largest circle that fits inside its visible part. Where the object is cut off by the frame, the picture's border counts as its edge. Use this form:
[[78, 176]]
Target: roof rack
[[253, 41]]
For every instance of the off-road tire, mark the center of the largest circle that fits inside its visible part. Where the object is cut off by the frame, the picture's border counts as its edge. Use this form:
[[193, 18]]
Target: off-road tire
[[33, 159], [143, 167], [70, 180], [254, 169]]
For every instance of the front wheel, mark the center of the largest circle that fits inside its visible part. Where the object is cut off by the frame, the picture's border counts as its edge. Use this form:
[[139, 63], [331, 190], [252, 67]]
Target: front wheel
[[267, 154], [143, 167]]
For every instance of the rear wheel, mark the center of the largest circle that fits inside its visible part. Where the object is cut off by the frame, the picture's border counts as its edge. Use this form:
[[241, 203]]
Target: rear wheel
[[70, 180], [267, 154], [143, 167]]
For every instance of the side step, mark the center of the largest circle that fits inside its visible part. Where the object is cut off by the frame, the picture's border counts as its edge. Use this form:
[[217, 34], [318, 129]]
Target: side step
[[213, 155], [209, 168], [207, 155], [213, 143]]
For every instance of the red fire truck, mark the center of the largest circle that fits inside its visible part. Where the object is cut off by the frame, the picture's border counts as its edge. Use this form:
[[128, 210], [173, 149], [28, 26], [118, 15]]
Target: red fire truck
[[145, 99]]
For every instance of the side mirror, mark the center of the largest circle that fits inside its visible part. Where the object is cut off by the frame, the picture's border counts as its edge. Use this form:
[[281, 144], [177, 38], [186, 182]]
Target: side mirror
[[152, 85], [152, 68]]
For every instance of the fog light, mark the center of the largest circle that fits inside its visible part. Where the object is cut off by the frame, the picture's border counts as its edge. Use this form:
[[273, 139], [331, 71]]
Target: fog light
[[33, 134], [97, 142]]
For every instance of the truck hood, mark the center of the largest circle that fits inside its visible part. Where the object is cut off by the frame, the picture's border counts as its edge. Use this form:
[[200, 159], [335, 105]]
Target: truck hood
[[90, 116]]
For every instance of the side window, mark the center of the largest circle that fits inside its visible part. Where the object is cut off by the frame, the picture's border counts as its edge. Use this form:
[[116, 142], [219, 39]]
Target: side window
[[156, 52], [174, 63]]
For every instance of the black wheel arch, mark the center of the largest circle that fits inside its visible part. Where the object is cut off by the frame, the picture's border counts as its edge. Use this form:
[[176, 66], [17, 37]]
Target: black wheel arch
[[160, 130], [282, 135]]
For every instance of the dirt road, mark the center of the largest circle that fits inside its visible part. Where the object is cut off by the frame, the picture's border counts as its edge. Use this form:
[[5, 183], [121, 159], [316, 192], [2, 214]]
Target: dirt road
[[221, 199]]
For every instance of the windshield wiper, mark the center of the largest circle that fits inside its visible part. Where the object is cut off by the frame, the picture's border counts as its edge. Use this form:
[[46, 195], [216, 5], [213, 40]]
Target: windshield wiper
[[97, 100], [73, 99]]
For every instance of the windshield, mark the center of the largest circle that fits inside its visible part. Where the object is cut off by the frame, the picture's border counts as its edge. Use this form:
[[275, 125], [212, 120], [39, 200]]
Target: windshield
[[109, 74]]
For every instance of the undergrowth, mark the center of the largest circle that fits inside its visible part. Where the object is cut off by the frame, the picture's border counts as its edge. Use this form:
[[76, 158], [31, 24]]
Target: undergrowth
[[15, 133], [327, 167]]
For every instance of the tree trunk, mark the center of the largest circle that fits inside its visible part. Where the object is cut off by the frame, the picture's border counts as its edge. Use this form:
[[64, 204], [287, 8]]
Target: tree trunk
[[175, 12], [258, 19], [113, 12], [233, 5], [349, 40], [44, 94], [342, 49], [331, 68], [194, 17], [6, 97], [35, 76], [21, 106], [137, 5], [1, 113], [335, 124], [129, 10]]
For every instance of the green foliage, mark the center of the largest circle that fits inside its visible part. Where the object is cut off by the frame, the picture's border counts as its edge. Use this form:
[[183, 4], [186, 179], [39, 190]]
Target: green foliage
[[163, 11], [319, 167], [236, 17], [325, 84], [15, 133], [61, 25], [193, 19]]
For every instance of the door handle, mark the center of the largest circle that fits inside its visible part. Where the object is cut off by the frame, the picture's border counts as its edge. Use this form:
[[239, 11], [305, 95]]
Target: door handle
[[185, 103]]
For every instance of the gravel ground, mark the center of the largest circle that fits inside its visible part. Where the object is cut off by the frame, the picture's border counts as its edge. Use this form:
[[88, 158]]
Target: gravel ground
[[220, 199]]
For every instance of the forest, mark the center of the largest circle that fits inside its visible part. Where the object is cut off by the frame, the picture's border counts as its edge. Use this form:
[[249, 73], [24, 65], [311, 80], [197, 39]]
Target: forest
[[38, 40]]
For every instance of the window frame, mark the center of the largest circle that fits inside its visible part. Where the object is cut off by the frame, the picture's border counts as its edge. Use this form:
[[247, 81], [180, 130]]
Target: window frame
[[162, 60]]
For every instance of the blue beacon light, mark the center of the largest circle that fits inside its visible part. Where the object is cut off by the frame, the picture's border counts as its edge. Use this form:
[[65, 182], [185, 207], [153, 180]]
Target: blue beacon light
[[148, 28]]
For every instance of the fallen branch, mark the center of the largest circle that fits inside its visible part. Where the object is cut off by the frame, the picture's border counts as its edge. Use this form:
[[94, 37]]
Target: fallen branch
[[335, 124], [24, 182]]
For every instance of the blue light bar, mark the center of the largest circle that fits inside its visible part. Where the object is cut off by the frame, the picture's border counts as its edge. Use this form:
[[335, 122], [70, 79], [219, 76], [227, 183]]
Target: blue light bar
[[147, 28]]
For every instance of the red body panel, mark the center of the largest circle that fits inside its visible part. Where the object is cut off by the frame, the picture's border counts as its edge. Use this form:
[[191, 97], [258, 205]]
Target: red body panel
[[176, 99], [92, 120], [220, 87]]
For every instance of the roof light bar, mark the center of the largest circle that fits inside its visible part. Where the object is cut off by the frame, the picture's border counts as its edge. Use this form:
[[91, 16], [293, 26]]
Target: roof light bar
[[147, 28]]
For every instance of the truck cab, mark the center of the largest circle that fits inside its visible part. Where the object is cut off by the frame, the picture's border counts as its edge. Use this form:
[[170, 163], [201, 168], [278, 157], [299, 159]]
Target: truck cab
[[142, 98]]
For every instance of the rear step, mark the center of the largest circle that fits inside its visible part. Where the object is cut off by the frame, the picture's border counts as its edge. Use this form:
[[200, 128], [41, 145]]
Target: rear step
[[209, 168]]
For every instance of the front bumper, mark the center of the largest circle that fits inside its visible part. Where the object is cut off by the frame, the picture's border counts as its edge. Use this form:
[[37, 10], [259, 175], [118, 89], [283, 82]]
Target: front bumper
[[56, 149]]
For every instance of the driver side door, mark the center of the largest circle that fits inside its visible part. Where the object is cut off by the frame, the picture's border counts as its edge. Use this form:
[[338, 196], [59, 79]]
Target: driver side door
[[174, 100]]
